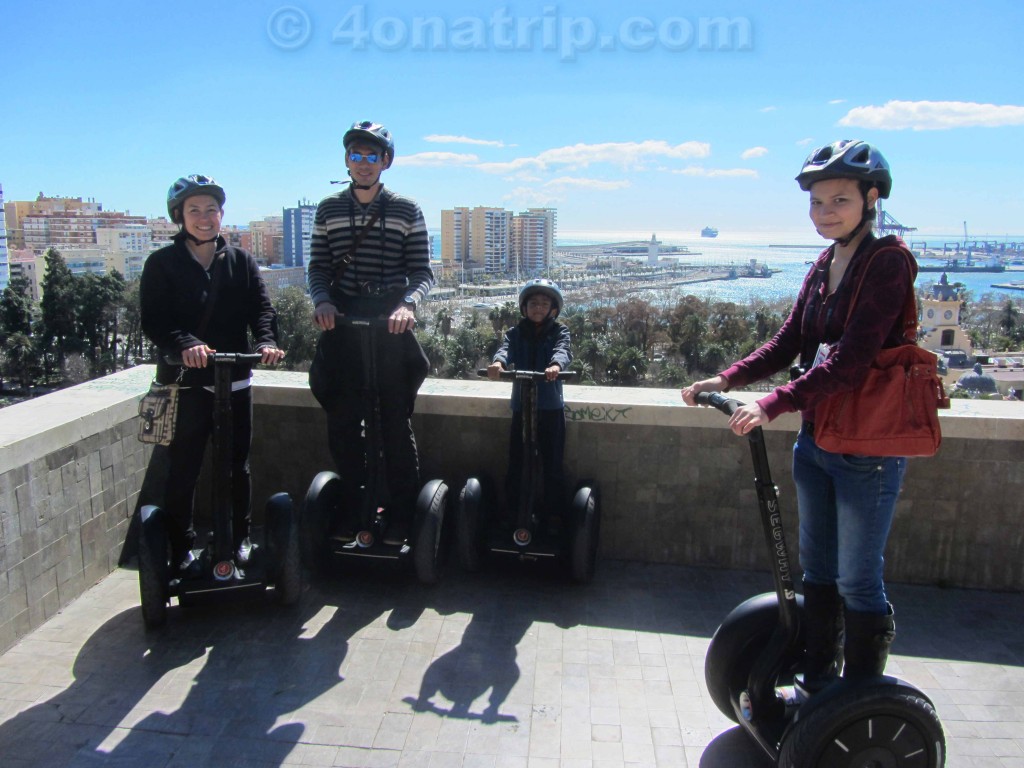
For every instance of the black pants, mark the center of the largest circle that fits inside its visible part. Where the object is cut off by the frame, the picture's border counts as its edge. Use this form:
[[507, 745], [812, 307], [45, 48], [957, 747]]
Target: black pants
[[551, 443], [185, 455], [338, 381]]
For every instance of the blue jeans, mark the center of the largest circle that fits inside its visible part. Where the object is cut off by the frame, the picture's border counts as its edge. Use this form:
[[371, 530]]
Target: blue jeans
[[846, 506]]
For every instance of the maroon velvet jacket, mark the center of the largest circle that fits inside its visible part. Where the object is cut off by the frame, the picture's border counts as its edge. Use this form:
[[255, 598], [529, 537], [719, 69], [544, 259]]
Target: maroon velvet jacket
[[876, 323]]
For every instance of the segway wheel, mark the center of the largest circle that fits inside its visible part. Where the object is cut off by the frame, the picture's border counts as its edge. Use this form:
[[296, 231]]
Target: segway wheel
[[154, 571], [881, 722], [736, 645], [283, 548], [586, 528], [427, 552], [468, 526], [321, 507]]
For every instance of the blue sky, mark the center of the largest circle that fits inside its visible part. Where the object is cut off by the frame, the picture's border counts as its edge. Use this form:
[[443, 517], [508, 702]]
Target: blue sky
[[633, 118]]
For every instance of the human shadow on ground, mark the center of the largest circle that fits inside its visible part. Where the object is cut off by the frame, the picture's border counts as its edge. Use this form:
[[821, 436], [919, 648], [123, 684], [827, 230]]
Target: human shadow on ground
[[215, 686]]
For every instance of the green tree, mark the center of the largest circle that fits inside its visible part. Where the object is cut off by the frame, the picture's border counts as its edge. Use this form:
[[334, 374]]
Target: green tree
[[55, 329], [15, 308], [297, 334], [20, 362], [443, 322], [99, 299], [133, 346], [503, 316]]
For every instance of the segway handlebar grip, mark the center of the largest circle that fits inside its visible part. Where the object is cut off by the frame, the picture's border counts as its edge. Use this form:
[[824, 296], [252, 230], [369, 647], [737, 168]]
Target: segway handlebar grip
[[534, 375], [726, 405]]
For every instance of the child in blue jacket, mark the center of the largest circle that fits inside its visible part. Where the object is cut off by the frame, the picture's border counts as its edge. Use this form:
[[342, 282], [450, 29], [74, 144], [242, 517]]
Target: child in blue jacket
[[538, 343]]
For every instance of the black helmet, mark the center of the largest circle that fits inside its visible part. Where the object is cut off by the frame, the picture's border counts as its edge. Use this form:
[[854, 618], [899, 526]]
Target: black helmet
[[190, 186], [856, 160], [373, 133], [544, 286]]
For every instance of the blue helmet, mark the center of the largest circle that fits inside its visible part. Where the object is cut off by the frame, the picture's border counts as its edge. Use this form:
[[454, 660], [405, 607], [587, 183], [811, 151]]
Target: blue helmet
[[372, 133], [190, 186], [541, 285], [855, 160]]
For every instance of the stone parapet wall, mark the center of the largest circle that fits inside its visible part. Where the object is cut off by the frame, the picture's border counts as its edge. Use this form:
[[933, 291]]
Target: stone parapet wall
[[676, 485]]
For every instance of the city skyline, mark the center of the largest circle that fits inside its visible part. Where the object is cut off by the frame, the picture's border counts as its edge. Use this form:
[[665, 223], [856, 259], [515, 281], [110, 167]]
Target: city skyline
[[644, 120]]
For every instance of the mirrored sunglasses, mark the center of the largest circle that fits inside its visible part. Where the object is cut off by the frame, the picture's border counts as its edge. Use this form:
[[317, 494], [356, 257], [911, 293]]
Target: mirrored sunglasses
[[357, 157]]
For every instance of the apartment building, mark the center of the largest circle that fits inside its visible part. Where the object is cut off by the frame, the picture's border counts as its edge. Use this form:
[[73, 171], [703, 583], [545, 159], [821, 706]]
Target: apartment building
[[5, 273], [266, 240], [533, 241], [126, 248], [297, 231], [497, 240]]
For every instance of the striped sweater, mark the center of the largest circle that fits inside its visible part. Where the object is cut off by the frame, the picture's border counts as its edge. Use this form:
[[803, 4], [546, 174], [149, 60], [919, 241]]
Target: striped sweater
[[394, 254]]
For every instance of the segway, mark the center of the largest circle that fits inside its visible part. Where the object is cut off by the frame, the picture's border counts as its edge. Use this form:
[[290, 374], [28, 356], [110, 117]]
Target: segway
[[325, 508], [756, 653], [217, 575], [481, 529]]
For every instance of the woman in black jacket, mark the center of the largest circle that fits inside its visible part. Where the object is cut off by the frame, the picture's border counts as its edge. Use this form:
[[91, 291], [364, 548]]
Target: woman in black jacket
[[198, 296]]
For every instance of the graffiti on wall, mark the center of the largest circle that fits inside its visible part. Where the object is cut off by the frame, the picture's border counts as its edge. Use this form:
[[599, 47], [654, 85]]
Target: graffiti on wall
[[602, 413]]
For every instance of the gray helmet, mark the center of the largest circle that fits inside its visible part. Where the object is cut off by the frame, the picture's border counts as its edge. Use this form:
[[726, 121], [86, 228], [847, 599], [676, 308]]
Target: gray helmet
[[544, 286], [372, 133], [856, 160], [190, 186]]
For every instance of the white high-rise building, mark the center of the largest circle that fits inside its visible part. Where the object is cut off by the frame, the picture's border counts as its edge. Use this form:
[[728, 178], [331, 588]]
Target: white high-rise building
[[533, 241], [5, 269]]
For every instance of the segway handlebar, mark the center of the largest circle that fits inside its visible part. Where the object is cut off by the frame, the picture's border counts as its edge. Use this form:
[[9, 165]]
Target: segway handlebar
[[514, 375], [726, 405], [354, 321], [231, 358]]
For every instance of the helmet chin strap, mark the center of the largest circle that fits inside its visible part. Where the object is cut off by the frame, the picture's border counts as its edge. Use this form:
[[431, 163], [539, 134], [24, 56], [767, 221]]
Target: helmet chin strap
[[865, 217], [362, 186], [197, 241]]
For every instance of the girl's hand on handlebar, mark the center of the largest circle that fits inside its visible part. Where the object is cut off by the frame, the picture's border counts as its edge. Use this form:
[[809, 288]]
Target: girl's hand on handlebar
[[552, 371], [714, 384], [196, 357], [323, 316], [401, 320], [494, 371], [747, 418], [271, 355]]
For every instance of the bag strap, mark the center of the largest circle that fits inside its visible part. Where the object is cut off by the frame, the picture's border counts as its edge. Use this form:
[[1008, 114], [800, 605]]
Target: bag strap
[[350, 256], [909, 306]]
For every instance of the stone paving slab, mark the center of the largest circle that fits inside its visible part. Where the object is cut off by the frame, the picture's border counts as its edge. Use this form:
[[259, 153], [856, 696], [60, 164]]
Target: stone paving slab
[[506, 669]]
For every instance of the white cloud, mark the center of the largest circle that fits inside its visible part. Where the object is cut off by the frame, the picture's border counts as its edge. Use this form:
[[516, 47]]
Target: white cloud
[[805, 142], [439, 138], [622, 154], [434, 159], [768, 109], [531, 196], [933, 115], [754, 152], [837, 101], [599, 184], [713, 173]]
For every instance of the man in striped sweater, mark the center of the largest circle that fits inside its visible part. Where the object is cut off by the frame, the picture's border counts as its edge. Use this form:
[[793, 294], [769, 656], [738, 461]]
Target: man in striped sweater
[[369, 257]]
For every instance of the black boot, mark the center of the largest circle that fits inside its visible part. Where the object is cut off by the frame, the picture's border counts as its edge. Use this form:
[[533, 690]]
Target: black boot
[[823, 633], [868, 638]]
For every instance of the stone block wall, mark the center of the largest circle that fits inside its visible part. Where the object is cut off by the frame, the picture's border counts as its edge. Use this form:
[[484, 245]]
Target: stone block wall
[[70, 469], [676, 485]]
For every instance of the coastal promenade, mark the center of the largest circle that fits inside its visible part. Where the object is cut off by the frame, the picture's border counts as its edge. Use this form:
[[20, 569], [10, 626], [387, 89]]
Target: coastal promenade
[[511, 668]]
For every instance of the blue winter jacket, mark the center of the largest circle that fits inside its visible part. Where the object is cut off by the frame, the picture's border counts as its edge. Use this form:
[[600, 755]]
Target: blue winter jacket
[[526, 348]]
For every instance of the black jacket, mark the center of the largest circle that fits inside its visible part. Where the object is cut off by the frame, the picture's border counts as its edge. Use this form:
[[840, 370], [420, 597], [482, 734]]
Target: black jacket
[[173, 295]]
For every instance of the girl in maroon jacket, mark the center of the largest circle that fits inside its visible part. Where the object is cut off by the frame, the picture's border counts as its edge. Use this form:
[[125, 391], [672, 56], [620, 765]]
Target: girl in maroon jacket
[[846, 502]]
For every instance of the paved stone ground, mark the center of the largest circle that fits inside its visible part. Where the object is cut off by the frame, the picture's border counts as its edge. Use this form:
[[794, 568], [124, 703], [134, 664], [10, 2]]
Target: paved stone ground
[[509, 668]]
